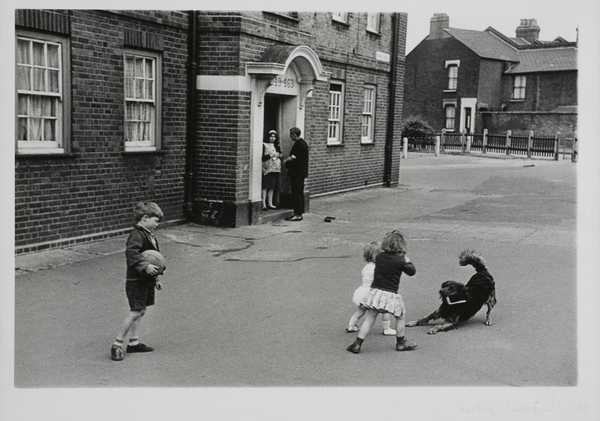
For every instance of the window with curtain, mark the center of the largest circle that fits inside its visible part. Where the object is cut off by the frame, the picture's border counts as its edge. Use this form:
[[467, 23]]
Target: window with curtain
[[519, 85], [336, 113], [142, 102], [373, 20], [340, 17], [450, 111], [40, 103], [368, 114], [452, 77]]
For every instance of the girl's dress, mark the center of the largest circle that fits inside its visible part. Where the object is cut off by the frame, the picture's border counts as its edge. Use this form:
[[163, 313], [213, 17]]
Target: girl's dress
[[367, 275], [383, 296], [271, 167]]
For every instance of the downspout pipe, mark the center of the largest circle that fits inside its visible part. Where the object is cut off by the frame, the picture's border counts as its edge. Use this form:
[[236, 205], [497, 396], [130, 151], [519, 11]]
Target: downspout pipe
[[191, 112], [387, 160]]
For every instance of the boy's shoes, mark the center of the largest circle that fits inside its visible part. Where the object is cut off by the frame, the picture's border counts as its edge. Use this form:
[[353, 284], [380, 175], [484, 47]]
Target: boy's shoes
[[116, 353], [139, 348], [351, 329], [389, 332], [294, 218], [404, 345]]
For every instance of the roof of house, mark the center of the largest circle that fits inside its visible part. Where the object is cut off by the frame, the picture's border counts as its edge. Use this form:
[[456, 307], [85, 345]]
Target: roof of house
[[484, 44], [539, 56], [545, 60]]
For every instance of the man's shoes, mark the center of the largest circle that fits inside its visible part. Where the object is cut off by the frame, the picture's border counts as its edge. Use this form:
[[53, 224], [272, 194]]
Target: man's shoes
[[404, 345], [116, 353], [294, 218], [139, 348]]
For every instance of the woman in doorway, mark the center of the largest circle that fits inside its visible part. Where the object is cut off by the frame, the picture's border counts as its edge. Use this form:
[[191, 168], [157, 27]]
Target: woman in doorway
[[271, 160]]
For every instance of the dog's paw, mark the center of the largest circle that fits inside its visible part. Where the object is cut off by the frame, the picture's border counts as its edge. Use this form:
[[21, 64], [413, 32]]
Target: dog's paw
[[412, 323]]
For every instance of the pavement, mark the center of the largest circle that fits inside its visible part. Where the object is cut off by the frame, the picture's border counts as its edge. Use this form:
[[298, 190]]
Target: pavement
[[266, 305]]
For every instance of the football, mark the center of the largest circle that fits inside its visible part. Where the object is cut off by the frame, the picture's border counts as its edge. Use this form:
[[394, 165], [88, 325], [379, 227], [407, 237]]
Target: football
[[155, 258]]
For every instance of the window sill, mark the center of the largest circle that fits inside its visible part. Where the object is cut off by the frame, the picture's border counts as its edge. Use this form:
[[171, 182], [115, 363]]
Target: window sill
[[340, 22], [144, 152], [374, 33], [38, 154], [335, 145], [517, 100], [367, 143], [450, 90]]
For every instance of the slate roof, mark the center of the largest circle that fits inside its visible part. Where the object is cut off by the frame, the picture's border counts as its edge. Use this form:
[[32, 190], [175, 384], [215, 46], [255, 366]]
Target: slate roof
[[539, 57], [484, 44], [546, 60]]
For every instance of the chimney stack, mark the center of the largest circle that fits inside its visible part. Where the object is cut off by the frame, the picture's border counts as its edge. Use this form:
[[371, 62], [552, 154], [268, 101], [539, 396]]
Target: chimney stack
[[529, 30], [439, 21]]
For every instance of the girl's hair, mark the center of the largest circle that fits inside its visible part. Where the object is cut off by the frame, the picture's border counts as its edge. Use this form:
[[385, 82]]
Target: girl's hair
[[370, 251], [394, 242], [276, 143], [146, 208]]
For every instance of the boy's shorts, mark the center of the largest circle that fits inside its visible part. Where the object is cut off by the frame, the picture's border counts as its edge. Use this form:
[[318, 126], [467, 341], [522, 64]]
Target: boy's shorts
[[140, 293]]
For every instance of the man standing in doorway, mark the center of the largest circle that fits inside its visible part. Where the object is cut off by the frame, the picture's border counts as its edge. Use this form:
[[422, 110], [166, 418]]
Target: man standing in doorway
[[297, 170]]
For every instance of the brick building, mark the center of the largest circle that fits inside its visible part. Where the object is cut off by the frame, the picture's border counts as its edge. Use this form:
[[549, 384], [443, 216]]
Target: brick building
[[465, 80], [113, 107]]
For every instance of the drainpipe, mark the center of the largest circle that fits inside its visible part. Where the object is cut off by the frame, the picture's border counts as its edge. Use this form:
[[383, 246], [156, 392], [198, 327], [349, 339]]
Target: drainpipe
[[191, 111], [387, 159]]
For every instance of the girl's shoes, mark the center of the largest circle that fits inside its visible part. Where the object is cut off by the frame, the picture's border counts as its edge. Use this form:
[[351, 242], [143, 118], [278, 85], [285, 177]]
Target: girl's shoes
[[389, 332], [354, 347], [402, 344], [353, 329]]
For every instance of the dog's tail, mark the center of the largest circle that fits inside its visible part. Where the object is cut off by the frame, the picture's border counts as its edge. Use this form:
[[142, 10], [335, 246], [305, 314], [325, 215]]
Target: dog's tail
[[472, 257]]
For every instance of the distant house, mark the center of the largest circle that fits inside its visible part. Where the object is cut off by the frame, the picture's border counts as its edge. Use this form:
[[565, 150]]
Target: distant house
[[464, 80]]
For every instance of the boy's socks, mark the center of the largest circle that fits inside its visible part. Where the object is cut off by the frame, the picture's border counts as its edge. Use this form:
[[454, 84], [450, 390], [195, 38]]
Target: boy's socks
[[118, 342], [134, 341]]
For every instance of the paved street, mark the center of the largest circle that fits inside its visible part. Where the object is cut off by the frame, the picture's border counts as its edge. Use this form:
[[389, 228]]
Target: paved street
[[267, 305]]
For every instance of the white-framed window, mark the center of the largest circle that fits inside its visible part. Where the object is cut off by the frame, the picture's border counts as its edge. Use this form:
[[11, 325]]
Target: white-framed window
[[336, 113], [452, 77], [373, 22], [368, 115], [340, 16], [42, 93], [450, 116], [519, 84], [142, 83]]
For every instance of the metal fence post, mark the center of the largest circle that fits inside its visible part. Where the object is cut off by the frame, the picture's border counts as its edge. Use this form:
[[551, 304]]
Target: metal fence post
[[556, 146], [508, 134], [443, 140], [529, 143], [484, 142], [437, 145], [469, 139], [405, 147], [463, 147]]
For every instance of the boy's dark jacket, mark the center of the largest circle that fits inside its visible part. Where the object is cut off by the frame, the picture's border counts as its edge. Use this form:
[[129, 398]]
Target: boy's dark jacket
[[139, 240]]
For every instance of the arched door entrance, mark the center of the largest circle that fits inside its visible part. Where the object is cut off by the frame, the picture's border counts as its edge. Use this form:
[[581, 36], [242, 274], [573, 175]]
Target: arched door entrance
[[280, 84]]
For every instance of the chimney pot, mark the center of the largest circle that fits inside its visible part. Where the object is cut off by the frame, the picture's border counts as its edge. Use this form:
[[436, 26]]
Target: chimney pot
[[529, 30], [438, 22]]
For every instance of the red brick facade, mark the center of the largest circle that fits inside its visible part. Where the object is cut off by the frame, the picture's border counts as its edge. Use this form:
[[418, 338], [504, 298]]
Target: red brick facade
[[89, 190]]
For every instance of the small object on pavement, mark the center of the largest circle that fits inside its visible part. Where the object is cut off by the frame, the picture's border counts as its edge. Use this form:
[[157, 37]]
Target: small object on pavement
[[329, 218]]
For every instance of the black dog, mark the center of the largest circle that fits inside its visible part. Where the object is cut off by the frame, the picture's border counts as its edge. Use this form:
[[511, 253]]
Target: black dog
[[461, 302]]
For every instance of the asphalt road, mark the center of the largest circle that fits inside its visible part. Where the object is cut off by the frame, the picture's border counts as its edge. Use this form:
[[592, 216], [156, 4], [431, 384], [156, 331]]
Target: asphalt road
[[267, 305]]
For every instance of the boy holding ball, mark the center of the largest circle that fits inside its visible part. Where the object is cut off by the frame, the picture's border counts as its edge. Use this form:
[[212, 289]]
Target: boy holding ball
[[141, 278]]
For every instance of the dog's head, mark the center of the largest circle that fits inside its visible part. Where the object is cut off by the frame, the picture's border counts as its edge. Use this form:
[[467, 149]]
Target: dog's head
[[451, 289]]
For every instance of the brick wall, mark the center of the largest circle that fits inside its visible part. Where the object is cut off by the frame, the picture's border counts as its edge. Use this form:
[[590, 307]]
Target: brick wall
[[427, 78], [93, 190], [348, 51], [520, 123], [543, 91]]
